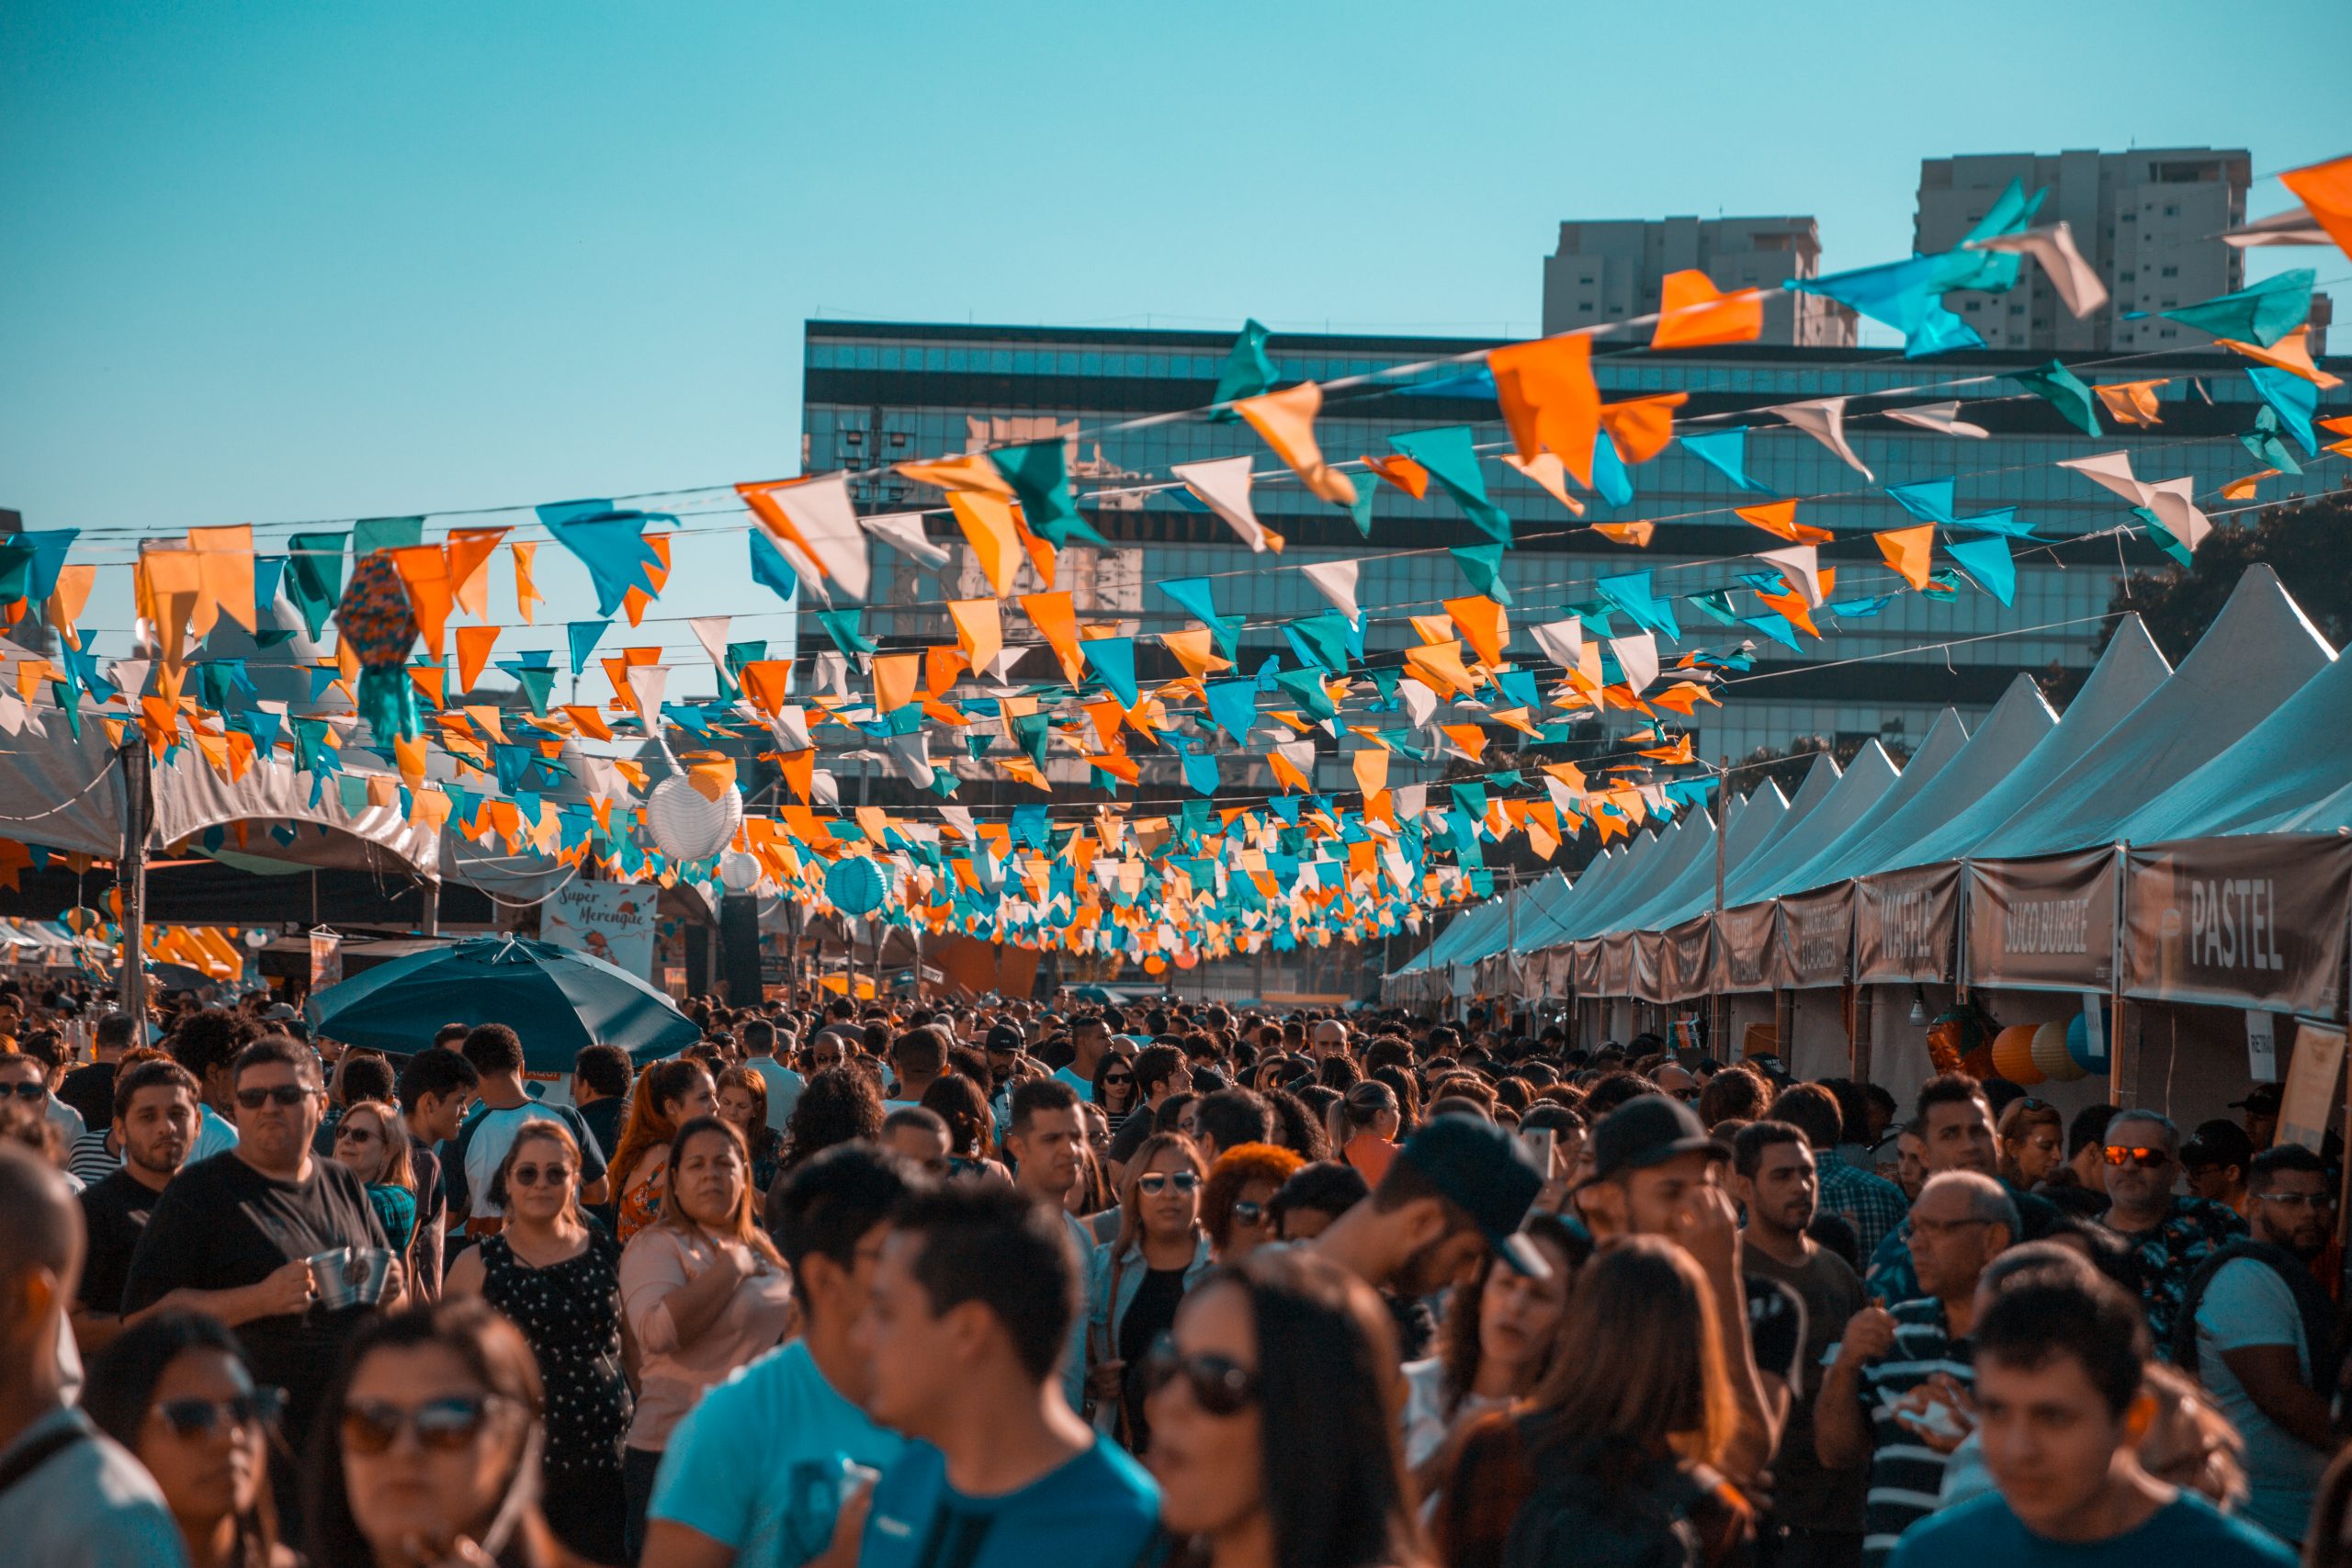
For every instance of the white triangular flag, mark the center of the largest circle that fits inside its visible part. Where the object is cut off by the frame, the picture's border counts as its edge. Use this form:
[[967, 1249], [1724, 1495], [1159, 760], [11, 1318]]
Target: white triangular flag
[[1223, 486], [1300, 754], [827, 518], [1941, 418], [646, 683], [1411, 801], [1637, 657], [960, 818], [1824, 419], [1562, 641], [913, 750], [130, 675], [791, 727], [711, 632], [1799, 564], [832, 671], [904, 532], [1420, 702], [1564, 800], [2169, 501], [2053, 245], [2109, 470], [824, 789], [1336, 580]]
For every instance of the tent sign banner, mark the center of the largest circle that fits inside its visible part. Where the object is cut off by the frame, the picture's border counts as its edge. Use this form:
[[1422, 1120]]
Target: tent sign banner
[[2042, 925], [611, 921], [1584, 968], [1649, 966], [1816, 938], [326, 959], [2251, 923], [1746, 941], [1688, 968], [1617, 965], [1905, 925], [2307, 1105]]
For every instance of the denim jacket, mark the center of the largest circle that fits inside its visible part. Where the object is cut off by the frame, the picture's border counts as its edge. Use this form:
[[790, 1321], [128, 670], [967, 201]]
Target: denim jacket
[[1103, 1314]]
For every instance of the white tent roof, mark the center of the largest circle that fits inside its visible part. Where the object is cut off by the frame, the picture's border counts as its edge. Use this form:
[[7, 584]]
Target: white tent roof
[[1866, 779], [1751, 823], [2258, 652], [1947, 739], [2125, 674], [1679, 846]]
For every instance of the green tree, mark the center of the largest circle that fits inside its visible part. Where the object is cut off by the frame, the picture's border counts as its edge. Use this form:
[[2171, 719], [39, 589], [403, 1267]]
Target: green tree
[[2308, 542]]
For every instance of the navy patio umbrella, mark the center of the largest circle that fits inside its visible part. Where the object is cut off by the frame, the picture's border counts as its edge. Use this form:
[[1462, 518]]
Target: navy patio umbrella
[[555, 999]]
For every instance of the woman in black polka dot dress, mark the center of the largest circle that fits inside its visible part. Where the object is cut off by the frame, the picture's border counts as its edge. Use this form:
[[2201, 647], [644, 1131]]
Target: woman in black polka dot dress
[[557, 1279]]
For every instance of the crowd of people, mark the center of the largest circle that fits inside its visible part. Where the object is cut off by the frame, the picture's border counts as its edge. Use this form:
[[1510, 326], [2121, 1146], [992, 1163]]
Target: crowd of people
[[897, 1286]]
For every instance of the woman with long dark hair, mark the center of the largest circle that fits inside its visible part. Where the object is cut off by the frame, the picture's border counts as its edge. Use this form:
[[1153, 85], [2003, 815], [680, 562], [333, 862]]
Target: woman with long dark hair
[[666, 1095], [557, 1278], [1273, 1413], [705, 1291], [971, 1126], [1139, 1276], [430, 1449], [1114, 1088], [174, 1389], [744, 1104], [836, 1105]]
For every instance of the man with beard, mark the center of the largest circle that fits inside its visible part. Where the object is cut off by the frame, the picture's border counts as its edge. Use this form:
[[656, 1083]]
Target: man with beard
[[1956, 1132], [2258, 1329], [1656, 1172], [1816, 1519], [154, 1127], [1457, 1190], [2171, 1233]]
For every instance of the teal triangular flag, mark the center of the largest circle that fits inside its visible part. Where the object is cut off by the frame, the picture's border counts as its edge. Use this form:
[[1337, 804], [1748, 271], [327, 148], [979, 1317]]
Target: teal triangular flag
[[537, 681], [1320, 640], [2065, 391], [315, 578], [1716, 605], [846, 628], [372, 534], [1610, 479], [2263, 442], [1725, 451], [2164, 537], [1930, 500], [1113, 660], [771, 570], [1233, 705], [1988, 562], [1482, 565], [1774, 625], [1247, 372], [1039, 474], [2295, 399], [1452, 459], [1306, 687], [583, 636], [1631, 592], [50, 545], [1359, 510], [1195, 595], [2000, 520], [610, 544], [2262, 313]]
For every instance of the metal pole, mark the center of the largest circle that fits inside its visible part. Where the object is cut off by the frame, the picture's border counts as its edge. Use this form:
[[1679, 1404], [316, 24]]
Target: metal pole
[[130, 875]]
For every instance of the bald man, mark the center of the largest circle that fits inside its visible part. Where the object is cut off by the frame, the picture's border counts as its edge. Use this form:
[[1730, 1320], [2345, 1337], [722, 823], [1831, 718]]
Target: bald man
[[69, 1495]]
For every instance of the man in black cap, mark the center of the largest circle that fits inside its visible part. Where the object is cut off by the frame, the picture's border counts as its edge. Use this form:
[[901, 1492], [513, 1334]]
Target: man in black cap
[[1656, 1172], [2261, 1108], [1457, 1190], [2216, 1159]]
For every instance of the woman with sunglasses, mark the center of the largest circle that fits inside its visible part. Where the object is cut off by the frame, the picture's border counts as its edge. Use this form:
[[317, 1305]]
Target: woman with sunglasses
[[1114, 1088], [430, 1455], [1273, 1406], [1234, 1202], [705, 1292], [1140, 1275], [174, 1389], [557, 1279], [371, 1142], [666, 1095]]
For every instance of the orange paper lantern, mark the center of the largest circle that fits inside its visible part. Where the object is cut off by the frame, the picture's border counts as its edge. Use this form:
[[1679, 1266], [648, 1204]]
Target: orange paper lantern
[[2013, 1054]]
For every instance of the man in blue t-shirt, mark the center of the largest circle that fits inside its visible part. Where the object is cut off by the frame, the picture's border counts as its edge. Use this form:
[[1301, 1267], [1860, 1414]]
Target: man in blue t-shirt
[[972, 1300], [755, 1475], [2060, 1411]]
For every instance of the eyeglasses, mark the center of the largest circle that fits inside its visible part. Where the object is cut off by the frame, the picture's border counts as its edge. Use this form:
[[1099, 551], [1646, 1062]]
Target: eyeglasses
[[287, 1094], [1248, 1213], [2298, 1199], [32, 1089], [2147, 1159], [445, 1426], [529, 1175], [1118, 1081], [191, 1419], [1159, 1181], [1217, 1384]]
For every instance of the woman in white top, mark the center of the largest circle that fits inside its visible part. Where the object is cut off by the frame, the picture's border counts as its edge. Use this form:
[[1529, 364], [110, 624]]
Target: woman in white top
[[1496, 1342], [705, 1293]]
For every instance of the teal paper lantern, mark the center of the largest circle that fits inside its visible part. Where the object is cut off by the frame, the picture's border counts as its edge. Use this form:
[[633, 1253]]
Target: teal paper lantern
[[2089, 1054], [854, 885]]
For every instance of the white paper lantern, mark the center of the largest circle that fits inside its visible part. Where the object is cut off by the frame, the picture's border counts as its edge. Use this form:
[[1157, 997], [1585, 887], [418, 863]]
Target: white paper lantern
[[688, 827], [739, 872]]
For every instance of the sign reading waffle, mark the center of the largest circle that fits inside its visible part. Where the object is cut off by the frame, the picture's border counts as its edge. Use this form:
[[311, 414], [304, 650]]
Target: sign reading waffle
[[1905, 923]]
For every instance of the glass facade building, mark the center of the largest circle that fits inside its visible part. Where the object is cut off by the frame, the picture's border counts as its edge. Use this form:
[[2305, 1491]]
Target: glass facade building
[[879, 394]]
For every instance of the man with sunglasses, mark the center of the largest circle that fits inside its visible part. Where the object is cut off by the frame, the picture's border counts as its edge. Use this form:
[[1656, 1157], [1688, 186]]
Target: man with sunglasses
[[2258, 1328], [2171, 1233], [254, 1219]]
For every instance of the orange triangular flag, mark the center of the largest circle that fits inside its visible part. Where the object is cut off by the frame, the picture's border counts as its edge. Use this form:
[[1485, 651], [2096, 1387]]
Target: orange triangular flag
[[1056, 615], [425, 573], [526, 592], [224, 575], [592, 723], [73, 593], [1636, 533], [895, 675], [1640, 428], [979, 631], [430, 680], [1469, 737], [1196, 651], [766, 682], [1793, 607], [1910, 551], [799, 770], [474, 644], [1041, 553], [987, 521], [1285, 422], [1371, 770], [634, 602], [2131, 402], [1546, 470], [1401, 471], [1549, 401], [2326, 190], [970, 471], [2291, 354], [1482, 623], [1692, 314], [470, 553], [1779, 517], [1438, 666]]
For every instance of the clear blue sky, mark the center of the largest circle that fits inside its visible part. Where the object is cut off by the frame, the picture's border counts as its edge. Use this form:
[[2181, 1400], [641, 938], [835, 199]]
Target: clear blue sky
[[292, 260]]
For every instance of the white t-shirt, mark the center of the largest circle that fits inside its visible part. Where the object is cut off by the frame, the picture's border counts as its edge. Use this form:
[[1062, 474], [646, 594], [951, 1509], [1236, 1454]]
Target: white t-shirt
[[784, 1087], [67, 1120], [756, 1464], [90, 1505], [2247, 1303]]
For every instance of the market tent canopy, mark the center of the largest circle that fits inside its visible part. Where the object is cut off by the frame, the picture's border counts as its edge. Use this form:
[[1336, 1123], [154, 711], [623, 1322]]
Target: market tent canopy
[[2258, 652], [2125, 675], [2280, 769], [1947, 739], [1750, 823], [1864, 780]]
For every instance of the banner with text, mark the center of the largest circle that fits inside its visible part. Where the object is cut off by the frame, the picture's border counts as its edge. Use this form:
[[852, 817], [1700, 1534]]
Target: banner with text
[[1906, 924], [1745, 941], [2254, 921], [1584, 968], [1688, 969], [611, 921], [2042, 925], [1817, 936]]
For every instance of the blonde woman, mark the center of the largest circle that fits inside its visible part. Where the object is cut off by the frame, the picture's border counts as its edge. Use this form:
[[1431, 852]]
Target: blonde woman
[[371, 1142], [557, 1279]]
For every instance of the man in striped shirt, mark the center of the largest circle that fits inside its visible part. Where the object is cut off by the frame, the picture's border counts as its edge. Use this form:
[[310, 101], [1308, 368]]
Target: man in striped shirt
[[1896, 1395]]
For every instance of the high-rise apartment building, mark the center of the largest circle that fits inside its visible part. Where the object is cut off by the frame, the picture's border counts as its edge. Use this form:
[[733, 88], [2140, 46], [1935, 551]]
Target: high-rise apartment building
[[1612, 270], [2149, 221]]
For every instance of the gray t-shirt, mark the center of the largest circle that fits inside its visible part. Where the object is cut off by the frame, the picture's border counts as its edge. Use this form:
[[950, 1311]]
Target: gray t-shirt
[[2246, 1303], [89, 1506]]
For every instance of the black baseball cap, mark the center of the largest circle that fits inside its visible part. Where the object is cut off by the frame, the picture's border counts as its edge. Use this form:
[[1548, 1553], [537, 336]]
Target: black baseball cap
[[1476, 1168], [2218, 1143], [2263, 1100], [1648, 1129], [1004, 1037]]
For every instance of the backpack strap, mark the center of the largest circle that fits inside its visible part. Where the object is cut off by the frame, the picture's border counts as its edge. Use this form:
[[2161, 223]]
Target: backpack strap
[[33, 1455], [2320, 1335]]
